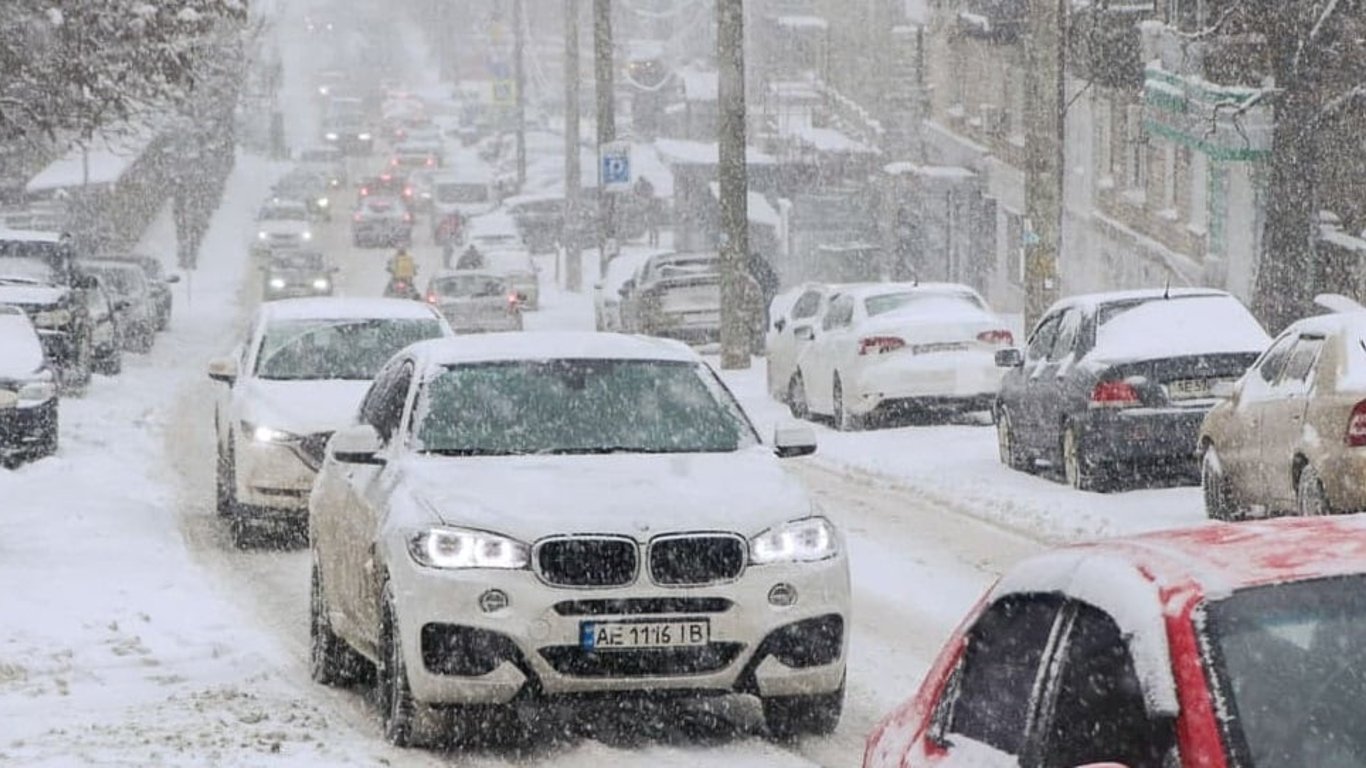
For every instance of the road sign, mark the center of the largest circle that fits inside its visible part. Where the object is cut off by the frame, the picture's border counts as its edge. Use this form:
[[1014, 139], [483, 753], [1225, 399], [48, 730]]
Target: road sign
[[504, 92], [616, 166]]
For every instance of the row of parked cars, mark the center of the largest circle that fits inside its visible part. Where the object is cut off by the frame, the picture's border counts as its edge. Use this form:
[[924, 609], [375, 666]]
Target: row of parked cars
[[666, 294], [83, 314]]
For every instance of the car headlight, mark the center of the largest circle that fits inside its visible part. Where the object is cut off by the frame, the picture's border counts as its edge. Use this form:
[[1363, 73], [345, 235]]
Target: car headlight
[[306, 235], [37, 392], [364, 136], [330, 136], [460, 548], [323, 202], [277, 283], [800, 541], [262, 235], [321, 284], [264, 434], [52, 318]]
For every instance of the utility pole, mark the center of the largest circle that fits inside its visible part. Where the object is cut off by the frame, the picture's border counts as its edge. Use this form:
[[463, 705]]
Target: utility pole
[[573, 245], [519, 77], [730, 61], [1045, 51], [607, 119]]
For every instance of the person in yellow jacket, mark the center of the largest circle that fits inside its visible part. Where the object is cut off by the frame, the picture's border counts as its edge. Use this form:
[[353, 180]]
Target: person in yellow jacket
[[402, 266]]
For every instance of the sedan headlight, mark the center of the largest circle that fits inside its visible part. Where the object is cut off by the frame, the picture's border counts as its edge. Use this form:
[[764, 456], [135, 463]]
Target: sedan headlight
[[264, 434], [323, 202], [52, 318], [321, 284], [277, 283], [37, 392], [306, 236], [262, 235], [800, 541], [460, 548], [330, 136], [364, 136]]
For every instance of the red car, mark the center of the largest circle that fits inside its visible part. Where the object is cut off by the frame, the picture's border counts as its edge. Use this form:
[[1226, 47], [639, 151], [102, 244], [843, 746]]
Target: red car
[[1227, 645]]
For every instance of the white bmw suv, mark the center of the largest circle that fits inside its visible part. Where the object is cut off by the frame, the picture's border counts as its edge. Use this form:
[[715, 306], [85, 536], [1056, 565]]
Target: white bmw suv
[[524, 516], [298, 376]]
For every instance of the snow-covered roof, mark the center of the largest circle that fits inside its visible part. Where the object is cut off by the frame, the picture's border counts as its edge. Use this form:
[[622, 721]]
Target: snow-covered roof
[[30, 236], [684, 152], [831, 140], [551, 346], [335, 308], [760, 212], [903, 168], [699, 85], [106, 158]]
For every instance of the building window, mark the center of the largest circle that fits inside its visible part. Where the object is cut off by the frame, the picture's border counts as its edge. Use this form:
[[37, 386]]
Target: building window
[[1136, 154]]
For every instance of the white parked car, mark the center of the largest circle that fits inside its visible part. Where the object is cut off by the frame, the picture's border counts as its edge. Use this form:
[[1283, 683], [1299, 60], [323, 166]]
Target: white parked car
[[28, 391], [298, 376], [892, 346], [282, 224], [607, 292], [528, 515], [794, 316]]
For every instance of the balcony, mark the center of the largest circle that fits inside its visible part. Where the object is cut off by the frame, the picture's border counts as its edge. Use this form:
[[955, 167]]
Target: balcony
[[1107, 45]]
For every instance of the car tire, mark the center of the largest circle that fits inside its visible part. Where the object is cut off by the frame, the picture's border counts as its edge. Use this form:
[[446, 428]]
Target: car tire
[[796, 398], [1215, 488], [330, 660], [844, 421], [1310, 498], [225, 486], [407, 723], [143, 341], [1078, 471], [788, 717], [51, 437], [76, 374], [111, 364], [1011, 454]]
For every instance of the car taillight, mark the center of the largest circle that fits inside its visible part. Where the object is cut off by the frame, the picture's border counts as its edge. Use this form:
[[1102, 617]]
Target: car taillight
[[394, 162], [407, 191], [356, 217], [364, 191], [880, 345], [1356, 426], [431, 161], [1002, 337], [407, 217], [431, 297], [1114, 394]]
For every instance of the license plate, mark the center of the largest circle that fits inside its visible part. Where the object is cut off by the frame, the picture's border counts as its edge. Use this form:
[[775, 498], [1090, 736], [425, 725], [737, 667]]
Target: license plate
[[1193, 389], [634, 635]]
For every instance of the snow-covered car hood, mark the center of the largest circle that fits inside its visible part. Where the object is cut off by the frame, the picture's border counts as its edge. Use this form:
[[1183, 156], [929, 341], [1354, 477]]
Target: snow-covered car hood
[[637, 495], [300, 407], [31, 295]]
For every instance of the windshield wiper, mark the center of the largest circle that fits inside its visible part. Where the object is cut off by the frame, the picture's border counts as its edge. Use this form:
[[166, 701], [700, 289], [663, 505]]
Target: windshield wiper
[[20, 281], [470, 452]]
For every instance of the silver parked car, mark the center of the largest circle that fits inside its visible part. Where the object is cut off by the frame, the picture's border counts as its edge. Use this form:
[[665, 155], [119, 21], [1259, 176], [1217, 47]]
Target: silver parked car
[[475, 301]]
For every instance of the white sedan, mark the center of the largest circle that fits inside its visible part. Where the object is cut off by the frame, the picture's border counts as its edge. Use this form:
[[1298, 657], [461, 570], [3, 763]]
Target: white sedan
[[281, 224], [525, 516], [882, 348], [298, 376]]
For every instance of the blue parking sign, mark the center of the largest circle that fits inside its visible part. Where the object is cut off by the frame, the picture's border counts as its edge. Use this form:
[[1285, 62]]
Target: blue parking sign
[[616, 166]]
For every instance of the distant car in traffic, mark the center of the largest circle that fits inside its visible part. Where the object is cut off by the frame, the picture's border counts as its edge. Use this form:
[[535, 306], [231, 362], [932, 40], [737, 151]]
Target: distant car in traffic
[[299, 375], [1290, 435], [28, 392], [308, 186], [281, 224], [38, 274], [891, 348], [445, 555], [456, 199], [380, 222], [134, 305], [388, 184], [1220, 645], [414, 155], [521, 273], [675, 296], [475, 301], [1113, 382], [158, 282], [328, 160], [297, 274]]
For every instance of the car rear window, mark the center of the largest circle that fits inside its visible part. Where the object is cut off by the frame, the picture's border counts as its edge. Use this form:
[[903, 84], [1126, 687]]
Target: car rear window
[[1185, 325], [914, 301]]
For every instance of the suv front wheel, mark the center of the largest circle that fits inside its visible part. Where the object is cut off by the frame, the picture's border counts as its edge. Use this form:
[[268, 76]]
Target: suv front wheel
[[788, 717]]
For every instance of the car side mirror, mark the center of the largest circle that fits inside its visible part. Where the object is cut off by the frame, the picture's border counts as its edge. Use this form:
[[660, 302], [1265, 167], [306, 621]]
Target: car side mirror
[[223, 369], [173, 278], [779, 324], [87, 282], [122, 304], [1009, 358], [790, 441], [360, 444]]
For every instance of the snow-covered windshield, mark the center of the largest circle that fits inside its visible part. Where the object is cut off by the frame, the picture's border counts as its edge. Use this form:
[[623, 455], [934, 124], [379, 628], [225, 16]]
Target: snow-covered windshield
[[124, 282], [283, 213], [460, 286], [580, 406], [24, 269], [1181, 325], [297, 261], [922, 301], [336, 349], [1291, 660]]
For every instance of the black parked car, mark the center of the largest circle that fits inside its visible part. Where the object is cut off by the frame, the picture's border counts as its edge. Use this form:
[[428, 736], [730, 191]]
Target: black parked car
[[105, 336], [1121, 380], [28, 392], [38, 274], [134, 304], [158, 283]]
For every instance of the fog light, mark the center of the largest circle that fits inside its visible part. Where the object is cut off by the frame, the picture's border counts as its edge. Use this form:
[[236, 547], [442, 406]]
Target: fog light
[[493, 601], [782, 595]]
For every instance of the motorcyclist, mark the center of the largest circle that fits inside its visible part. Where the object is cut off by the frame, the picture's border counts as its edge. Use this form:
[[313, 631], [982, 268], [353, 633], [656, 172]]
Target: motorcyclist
[[402, 266], [470, 259]]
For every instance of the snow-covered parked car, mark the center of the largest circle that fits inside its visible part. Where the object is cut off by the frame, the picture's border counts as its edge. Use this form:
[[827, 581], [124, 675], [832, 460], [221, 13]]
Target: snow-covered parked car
[[526, 516], [794, 316], [1291, 436], [1114, 382], [1221, 645], [675, 296], [879, 349], [134, 304], [607, 292], [297, 377], [475, 300], [282, 224], [28, 391]]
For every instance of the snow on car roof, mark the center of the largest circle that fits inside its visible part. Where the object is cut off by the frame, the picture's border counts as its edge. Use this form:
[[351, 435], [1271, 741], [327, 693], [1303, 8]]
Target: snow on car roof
[[865, 290], [494, 347], [330, 308], [30, 236], [1096, 299]]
